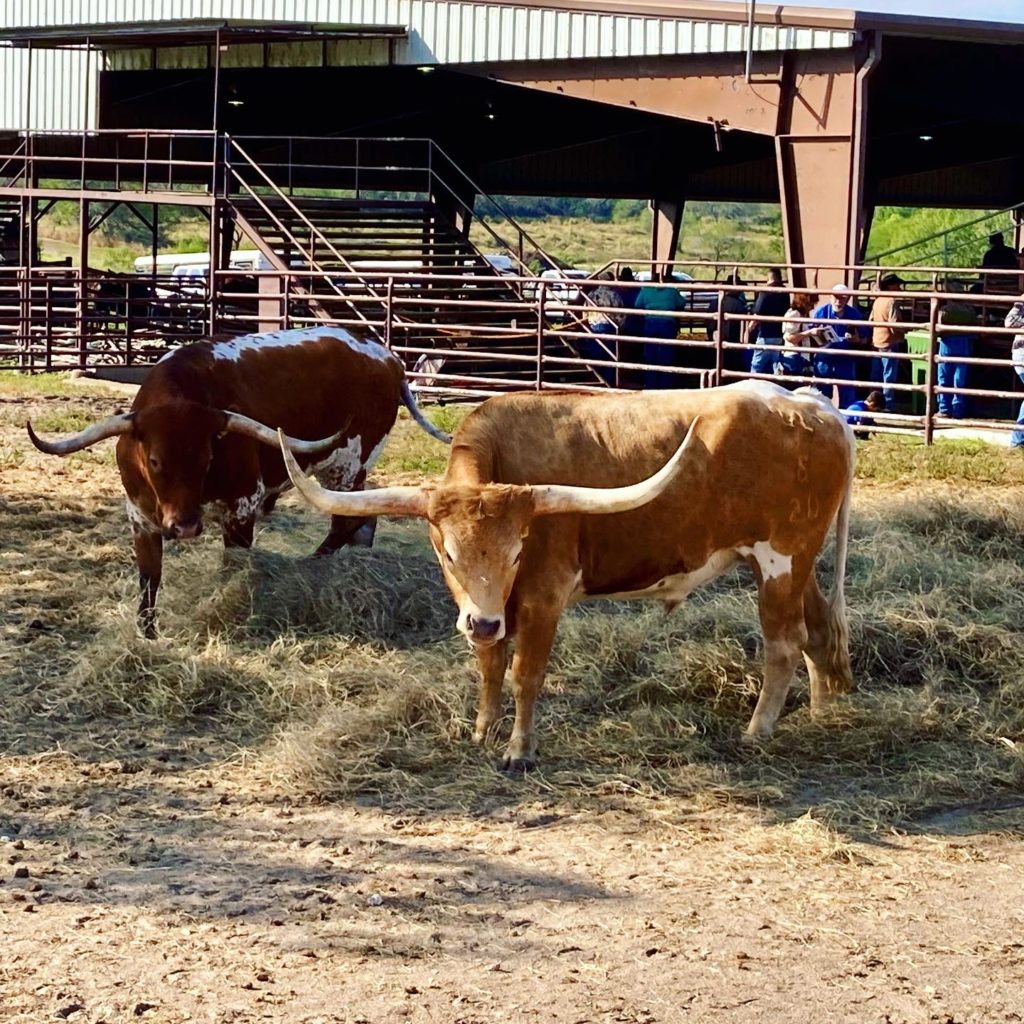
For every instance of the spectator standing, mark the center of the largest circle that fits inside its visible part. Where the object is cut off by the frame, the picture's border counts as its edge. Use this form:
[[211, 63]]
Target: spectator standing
[[833, 359], [602, 322], [732, 330], [654, 301], [955, 313], [999, 256], [1015, 319], [632, 327], [607, 296], [767, 303], [798, 333], [887, 338]]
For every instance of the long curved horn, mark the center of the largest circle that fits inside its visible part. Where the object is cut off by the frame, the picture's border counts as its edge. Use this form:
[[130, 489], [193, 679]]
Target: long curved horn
[[238, 424], [112, 426], [387, 501], [549, 499]]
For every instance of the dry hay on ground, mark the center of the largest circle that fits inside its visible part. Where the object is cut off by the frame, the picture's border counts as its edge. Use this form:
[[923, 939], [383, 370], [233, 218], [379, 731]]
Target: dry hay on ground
[[342, 678]]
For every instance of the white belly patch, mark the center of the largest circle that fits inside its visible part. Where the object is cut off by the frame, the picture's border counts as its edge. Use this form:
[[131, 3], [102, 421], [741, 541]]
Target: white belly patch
[[771, 563], [676, 588]]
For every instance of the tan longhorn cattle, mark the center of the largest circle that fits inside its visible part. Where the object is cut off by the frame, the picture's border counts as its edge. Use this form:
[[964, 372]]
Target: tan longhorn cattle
[[539, 508]]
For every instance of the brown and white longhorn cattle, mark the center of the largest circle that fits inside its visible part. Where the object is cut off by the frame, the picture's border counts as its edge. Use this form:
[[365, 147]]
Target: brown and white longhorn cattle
[[536, 512], [202, 431]]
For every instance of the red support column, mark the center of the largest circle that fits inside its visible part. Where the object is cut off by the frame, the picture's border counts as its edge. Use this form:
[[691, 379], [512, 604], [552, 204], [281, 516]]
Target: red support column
[[668, 218]]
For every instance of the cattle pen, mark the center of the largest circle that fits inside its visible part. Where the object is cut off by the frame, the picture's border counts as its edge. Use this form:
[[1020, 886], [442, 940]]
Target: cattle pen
[[274, 809]]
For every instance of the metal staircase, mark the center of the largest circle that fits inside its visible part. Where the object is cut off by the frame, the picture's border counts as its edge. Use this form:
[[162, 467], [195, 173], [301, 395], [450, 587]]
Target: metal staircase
[[358, 257]]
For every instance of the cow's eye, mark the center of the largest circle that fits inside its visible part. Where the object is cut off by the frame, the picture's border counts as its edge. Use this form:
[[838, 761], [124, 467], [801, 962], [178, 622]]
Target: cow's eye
[[154, 463], [448, 556], [519, 554]]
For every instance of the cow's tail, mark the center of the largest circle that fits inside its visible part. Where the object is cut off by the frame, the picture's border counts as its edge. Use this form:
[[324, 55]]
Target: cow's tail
[[839, 673], [414, 411]]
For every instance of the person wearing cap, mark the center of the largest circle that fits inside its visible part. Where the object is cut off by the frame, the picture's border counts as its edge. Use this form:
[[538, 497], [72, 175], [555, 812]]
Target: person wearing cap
[[833, 360], [887, 338]]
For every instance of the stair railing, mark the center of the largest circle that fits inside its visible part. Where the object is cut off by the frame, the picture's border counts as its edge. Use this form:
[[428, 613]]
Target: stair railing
[[522, 238], [18, 157], [316, 237], [944, 235]]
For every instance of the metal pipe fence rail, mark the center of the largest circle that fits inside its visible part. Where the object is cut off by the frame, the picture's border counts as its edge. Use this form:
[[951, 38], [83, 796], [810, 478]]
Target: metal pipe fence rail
[[460, 345]]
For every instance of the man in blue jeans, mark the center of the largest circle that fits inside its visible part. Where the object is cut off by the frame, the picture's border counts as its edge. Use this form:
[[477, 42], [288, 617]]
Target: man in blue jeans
[[773, 304], [886, 337], [832, 359], [954, 313]]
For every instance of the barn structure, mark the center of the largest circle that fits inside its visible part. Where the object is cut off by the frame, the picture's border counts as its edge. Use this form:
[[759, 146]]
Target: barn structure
[[340, 134]]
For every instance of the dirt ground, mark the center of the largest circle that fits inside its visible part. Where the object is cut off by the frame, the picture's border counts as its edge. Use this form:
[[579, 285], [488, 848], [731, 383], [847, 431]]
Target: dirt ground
[[157, 876]]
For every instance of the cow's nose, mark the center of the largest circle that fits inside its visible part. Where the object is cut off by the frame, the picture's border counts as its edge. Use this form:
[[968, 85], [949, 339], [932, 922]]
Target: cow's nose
[[483, 629], [182, 531]]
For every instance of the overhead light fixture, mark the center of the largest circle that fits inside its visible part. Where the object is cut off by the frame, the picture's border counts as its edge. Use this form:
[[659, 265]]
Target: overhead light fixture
[[236, 103], [426, 69], [926, 138]]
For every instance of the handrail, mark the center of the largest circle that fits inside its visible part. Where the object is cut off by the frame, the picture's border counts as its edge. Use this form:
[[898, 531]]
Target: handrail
[[22, 146], [479, 191], [314, 231], [945, 232]]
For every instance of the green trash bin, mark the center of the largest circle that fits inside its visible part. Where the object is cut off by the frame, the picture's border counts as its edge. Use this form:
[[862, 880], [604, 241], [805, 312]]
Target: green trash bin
[[917, 344]]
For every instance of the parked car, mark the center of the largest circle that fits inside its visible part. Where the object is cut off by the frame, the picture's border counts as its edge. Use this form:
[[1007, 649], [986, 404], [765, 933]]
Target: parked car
[[502, 263], [560, 292]]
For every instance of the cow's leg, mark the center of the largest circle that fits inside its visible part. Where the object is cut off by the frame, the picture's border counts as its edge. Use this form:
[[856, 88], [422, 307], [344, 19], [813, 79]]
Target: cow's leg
[[827, 652], [356, 530], [535, 634], [149, 557], [781, 609], [493, 662]]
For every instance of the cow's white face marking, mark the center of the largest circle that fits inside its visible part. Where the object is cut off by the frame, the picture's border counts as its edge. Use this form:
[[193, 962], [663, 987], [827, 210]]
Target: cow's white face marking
[[769, 561], [233, 350], [138, 519]]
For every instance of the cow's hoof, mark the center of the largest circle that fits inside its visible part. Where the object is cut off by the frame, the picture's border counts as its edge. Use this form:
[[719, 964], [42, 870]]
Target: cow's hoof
[[753, 739], [517, 765]]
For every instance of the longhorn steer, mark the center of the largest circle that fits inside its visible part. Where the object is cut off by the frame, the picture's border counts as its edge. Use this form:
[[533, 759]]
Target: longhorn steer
[[523, 525], [200, 433]]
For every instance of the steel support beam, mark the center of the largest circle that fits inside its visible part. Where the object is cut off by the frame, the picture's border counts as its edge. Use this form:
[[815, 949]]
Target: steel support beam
[[813, 103], [820, 151], [83, 283], [667, 220]]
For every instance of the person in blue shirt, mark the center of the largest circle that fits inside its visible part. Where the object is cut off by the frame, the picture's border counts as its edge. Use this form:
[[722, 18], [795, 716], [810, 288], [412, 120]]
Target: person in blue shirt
[[858, 414], [832, 359], [654, 301]]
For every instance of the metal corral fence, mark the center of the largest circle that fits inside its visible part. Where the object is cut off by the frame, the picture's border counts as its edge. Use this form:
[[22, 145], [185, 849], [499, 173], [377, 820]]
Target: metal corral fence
[[458, 341]]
